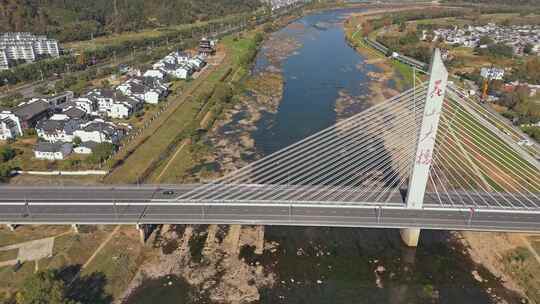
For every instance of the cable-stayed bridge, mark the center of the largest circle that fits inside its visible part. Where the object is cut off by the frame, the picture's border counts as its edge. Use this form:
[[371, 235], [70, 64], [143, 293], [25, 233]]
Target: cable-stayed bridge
[[427, 158]]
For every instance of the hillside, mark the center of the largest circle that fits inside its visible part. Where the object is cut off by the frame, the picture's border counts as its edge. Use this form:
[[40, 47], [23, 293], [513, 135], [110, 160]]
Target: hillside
[[69, 20]]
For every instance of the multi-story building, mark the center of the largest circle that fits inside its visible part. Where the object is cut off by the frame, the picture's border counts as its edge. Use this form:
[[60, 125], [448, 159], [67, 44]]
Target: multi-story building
[[10, 126], [4, 63], [25, 46]]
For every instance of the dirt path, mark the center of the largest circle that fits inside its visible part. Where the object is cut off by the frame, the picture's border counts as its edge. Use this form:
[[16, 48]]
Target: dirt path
[[184, 143], [205, 119], [101, 246], [8, 263]]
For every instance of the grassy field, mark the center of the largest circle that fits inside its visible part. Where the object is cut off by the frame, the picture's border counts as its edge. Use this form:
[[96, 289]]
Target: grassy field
[[236, 49], [28, 233], [8, 255], [118, 261]]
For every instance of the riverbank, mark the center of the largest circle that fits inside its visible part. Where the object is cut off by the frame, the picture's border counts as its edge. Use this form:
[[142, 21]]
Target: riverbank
[[262, 91]]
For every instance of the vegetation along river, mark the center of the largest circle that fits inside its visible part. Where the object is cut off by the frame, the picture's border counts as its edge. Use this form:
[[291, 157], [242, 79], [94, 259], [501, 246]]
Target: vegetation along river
[[340, 265]]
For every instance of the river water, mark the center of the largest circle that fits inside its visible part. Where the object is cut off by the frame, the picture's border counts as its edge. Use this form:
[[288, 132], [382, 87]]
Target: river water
[[314, 75], [342, 265]]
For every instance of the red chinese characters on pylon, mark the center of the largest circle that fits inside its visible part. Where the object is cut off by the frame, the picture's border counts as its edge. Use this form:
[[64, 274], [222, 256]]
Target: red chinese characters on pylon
[[424, 157], [429, 135], [437, 90]]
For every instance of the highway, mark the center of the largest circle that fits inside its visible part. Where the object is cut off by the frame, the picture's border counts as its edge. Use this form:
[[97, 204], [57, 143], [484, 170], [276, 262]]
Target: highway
[[158, 205]]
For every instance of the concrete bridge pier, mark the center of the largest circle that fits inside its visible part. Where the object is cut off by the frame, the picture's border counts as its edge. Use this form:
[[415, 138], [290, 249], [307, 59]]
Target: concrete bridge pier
[[410, 236], [145, 230], [75, 228], [11, 227], [142, 232]]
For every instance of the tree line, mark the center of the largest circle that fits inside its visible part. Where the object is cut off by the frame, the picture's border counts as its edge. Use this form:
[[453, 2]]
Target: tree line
[[69, 20]]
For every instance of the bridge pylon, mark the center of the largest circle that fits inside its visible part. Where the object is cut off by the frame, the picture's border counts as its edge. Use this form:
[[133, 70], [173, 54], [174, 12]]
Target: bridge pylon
[[426, 142]]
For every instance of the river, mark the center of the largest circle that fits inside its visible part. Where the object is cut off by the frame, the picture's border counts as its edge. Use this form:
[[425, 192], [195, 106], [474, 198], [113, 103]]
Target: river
[[342, 265], [314, 75]]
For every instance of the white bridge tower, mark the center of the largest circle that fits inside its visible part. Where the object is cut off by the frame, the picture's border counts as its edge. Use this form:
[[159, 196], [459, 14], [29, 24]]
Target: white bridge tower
[[426, 142]]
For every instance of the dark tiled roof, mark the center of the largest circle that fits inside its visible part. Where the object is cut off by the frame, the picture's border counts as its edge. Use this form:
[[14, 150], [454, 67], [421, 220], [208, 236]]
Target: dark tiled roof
[[49, 147], [30, 110], [74, 112], [8, 121], [89, 144], [101, 127], [48, 125], [104, 93]]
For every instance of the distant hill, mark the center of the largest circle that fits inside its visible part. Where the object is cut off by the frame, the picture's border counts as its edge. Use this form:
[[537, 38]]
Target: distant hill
[[69, 20]]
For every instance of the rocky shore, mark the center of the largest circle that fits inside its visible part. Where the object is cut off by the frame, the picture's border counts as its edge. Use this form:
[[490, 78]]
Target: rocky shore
[[209, 259], [231, 135]]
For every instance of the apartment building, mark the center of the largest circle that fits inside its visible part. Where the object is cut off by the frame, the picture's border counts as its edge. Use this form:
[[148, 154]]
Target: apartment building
[[25, 46]]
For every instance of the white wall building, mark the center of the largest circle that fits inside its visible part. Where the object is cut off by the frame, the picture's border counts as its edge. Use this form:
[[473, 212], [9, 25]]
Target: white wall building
[[151, 90], [99, 131], [58, 128], [155, 74], [10, 126], [114, 104], [26, 46], [492, 73], [4, 63], [52, 151]]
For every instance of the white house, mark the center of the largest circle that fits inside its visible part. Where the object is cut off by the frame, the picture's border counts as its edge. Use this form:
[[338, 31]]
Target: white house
[[85, 147], [52, 151], [99, 131], [179, 65], [492, 73], [58, 128], [86, 104], [113, 103], [155, 74], [151, 90], [10, 126], [197, 62]]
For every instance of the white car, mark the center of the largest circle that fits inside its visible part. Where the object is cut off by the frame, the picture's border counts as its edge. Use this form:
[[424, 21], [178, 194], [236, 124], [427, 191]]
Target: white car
[[525, 142]]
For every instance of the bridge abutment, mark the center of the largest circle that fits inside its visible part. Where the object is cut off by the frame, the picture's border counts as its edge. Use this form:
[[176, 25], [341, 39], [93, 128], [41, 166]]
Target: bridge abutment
[[410, 236], [75, 228], [11, 227]]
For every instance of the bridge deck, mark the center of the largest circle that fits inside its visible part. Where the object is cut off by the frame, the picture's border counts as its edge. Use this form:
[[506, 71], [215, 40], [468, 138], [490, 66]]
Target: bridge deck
[[153, 204]]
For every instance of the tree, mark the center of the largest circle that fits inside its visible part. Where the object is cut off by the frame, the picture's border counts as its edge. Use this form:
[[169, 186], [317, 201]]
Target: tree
[[528, 49], [44, 287], [101, 152], [485, 40], [402, 27], [5, 171], [6, 153], [77, 141]]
